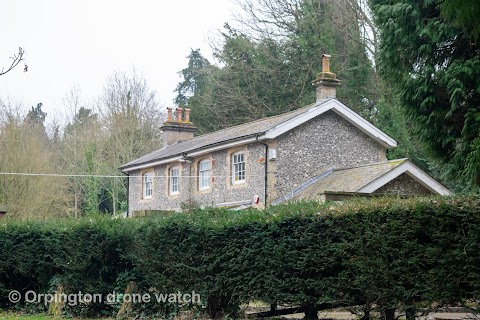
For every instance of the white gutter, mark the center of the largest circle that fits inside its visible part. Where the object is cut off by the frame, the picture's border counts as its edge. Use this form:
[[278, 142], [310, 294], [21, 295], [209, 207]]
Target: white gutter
[[190, 154]]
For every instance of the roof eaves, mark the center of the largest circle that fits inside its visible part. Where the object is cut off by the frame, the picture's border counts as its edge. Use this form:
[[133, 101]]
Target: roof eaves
[[311, 112], [364, 125], [192, 152], [148, 164], [222, 145]]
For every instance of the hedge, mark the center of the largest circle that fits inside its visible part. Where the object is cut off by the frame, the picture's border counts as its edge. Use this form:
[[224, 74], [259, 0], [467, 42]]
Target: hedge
[[389, 253]]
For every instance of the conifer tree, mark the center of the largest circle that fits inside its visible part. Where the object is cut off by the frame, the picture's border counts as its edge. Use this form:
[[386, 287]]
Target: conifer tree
[[434, 65]]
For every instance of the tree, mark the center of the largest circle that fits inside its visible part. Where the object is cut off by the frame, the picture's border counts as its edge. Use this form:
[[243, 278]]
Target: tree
[[312, 28], [122, 125], [96, 140], [35, 120], [463, 14], [79, 156], [131, 116], [131, 119], [193, 77], [24, 151], [266, 65], [435, 67], [16, 59]]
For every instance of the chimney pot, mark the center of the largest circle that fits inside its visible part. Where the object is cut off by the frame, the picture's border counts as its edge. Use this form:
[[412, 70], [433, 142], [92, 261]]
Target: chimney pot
[[179, 114], [169, 114], [326, 62], [187, 115]]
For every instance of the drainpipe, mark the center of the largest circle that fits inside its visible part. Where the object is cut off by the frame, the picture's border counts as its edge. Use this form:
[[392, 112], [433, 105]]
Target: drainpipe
[[188, 161], [128, 193], [266, 170]]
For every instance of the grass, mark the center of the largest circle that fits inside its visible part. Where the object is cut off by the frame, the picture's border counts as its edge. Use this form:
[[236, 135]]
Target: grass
[[14, 316], [19, 316], [22, 317]]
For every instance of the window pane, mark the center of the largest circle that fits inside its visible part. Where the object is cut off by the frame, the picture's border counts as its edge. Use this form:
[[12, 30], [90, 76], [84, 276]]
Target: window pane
[[204, 165], [174, 180], [238, 167], [241, 172], [204, 174], [147, 185]]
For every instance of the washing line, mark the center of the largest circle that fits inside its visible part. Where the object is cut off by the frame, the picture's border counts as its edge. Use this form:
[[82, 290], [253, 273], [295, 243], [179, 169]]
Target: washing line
[[102, 176]]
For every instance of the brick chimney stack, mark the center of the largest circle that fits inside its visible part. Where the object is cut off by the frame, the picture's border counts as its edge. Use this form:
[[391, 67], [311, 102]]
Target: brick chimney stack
[[178, 129], [326, 81]]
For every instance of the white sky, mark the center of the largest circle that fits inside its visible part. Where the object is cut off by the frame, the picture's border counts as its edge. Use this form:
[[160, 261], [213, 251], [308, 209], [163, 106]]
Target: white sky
[[81, 42]]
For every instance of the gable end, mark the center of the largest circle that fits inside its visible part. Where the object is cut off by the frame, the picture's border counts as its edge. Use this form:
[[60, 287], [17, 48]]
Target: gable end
[[340, 109], [404, 184], [414, 172]]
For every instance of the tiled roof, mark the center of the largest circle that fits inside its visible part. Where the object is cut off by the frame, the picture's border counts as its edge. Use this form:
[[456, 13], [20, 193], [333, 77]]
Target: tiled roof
[[245, 130], [348, 179]]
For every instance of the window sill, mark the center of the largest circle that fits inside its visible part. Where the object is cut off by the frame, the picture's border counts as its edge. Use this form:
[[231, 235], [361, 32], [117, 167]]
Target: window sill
[[237, 185], [204, 190]]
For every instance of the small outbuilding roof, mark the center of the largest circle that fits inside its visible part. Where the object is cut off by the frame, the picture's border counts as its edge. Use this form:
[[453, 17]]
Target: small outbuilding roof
[[364, 179]]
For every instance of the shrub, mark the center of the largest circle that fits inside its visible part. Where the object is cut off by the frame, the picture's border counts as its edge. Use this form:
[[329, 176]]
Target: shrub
[[395, 253]]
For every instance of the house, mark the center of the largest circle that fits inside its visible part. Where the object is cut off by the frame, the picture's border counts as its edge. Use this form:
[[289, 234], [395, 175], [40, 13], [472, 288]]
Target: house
[[322, 151]]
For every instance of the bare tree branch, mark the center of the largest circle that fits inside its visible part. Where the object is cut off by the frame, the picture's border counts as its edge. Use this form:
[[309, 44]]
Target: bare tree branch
[[16, 59]]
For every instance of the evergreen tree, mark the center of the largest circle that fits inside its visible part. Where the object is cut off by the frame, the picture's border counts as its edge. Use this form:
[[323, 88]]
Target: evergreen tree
[[193, 77], [266, 65], [80, 156], [434, 65], [35, 120], [464, 14]]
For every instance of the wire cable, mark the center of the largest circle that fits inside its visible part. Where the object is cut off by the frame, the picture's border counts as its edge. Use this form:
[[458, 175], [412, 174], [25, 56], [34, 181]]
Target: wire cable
[[100, 176]]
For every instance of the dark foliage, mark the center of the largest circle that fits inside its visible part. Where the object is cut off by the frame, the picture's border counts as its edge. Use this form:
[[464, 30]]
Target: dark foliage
[[434, 65], [395, 254]]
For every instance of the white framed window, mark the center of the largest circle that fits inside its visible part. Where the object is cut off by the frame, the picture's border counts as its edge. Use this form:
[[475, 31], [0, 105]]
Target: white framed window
[[204, 175], [238, 168], [174, 180], [147, 185]]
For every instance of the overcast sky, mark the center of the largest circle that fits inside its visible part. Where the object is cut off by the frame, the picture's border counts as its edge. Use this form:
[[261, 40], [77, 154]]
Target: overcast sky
[[81, 42]]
